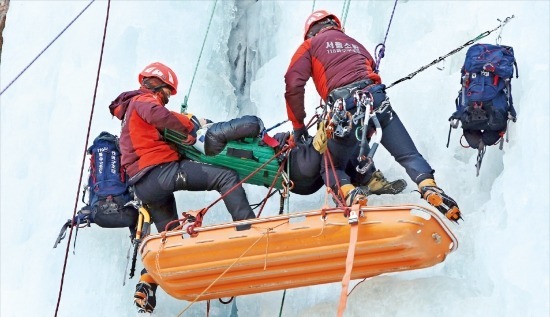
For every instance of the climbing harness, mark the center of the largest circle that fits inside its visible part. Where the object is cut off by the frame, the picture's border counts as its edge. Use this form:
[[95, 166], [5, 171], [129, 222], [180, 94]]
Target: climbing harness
[[364, 100], [84, 153], [47, 46], [184, 104], [456, 50], [380, 49], [339, 122]]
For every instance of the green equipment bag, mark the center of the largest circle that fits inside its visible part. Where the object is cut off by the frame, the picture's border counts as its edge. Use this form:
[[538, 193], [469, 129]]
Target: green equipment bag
[[244, 156]]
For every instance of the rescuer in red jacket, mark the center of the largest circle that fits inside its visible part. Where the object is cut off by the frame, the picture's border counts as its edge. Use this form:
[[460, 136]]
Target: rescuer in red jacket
[[155, 168], [340, 65]]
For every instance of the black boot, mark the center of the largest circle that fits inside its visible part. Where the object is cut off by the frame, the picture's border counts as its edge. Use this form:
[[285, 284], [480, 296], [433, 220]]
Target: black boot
[[144, 297], [436, 197]]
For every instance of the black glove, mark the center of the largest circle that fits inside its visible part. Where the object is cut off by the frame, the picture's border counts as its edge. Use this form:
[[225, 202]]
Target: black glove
[[301, 135], [282, 138]]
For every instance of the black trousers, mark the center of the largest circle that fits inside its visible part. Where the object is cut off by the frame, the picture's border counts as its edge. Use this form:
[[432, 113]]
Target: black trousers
[[157, 187]]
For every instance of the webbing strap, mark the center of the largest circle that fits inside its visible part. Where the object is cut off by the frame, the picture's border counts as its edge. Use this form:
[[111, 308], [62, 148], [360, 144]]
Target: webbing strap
[[354, 229]]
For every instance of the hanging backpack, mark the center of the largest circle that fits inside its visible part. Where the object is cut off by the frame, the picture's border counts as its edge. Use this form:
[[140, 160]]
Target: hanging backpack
[[107, 188], [484, 104]]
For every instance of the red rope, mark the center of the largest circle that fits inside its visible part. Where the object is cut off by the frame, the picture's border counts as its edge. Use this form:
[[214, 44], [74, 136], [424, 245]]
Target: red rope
[[328, 157], [201, 214], [279, 171], [83, 158]]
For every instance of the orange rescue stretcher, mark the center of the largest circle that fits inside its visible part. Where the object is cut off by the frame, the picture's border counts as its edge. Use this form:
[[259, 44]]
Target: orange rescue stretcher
[[294, 250]]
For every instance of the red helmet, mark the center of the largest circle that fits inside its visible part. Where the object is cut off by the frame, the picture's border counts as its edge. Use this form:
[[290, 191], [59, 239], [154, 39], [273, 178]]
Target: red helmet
[[318, 16], [163, 73]]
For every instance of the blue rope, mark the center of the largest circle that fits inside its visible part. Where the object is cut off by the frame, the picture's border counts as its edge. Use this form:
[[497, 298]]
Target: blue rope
[[21, 73]]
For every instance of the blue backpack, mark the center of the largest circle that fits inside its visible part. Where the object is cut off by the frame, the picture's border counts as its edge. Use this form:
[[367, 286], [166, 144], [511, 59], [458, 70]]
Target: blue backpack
[[484, 104], [107, 185], [108, 190]]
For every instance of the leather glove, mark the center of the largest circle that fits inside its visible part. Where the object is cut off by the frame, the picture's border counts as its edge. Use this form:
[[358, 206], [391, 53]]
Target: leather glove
[[320, 141], [301, 135]]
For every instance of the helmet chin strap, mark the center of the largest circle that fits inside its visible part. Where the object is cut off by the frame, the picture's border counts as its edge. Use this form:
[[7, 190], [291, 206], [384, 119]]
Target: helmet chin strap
[[162, 95], [157, 90]]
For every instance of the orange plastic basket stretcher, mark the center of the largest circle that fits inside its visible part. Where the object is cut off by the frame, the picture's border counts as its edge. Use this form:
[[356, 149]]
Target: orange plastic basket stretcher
[[294, 250]]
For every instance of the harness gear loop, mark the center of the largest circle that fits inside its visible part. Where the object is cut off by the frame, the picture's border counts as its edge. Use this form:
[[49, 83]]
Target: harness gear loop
[[364, 101], [340, 121]]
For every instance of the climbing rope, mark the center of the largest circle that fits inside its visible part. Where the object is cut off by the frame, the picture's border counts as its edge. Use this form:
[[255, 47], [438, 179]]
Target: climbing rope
[[344, 14], [184, 104], [84, 154], [345, 10], [40, 54], [456, 50], [381, 48]]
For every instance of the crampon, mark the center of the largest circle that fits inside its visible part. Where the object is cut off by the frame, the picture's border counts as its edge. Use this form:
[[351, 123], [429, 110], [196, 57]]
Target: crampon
[[144, 297], [442, 202]]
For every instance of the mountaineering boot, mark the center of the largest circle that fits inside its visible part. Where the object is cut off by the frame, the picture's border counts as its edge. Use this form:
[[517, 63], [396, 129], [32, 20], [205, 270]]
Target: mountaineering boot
[[355, 196], [436, 197], [379, 185], [144, 297]]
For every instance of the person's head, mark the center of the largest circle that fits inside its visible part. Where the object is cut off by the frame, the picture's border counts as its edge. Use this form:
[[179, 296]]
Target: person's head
[[160, 79], [319, 20]]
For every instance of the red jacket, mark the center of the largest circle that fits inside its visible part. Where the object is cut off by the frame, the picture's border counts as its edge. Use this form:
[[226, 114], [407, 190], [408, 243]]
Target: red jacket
[[334, 60], [144, 119]]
